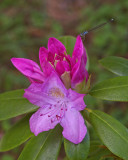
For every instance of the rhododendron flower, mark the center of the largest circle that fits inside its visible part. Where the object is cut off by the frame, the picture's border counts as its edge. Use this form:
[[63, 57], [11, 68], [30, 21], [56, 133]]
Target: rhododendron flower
[[71, 70], [57, 105]]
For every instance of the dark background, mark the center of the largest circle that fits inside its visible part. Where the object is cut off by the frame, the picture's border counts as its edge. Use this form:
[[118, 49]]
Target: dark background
[[26, 25]]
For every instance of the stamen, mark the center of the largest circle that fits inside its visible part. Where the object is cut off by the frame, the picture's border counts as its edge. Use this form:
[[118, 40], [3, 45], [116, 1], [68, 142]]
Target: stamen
[[41, 114], [58, 117]]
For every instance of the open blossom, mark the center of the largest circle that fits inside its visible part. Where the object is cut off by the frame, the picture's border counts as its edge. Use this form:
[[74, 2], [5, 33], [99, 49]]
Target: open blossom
[[71, 70], [51, 85], [57, 105]]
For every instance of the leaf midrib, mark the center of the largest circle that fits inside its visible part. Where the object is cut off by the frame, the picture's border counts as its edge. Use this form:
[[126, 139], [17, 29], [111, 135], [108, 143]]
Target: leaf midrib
[[118, 63], [110, 126], [43, 144], [109, 88]]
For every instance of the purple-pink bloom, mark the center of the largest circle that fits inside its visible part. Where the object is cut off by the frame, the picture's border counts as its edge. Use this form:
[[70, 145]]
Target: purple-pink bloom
[[57, 105], [56, 59]]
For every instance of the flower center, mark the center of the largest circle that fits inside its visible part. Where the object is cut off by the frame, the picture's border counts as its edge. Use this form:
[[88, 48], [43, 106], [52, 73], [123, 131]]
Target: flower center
[[56, 92], [56, 111]]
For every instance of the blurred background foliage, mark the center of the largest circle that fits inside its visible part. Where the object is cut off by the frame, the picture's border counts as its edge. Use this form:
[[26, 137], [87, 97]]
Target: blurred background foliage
[[26, 25]]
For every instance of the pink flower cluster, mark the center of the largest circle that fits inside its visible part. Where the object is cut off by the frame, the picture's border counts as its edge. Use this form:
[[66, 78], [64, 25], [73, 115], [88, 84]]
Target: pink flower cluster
[[52, 88]]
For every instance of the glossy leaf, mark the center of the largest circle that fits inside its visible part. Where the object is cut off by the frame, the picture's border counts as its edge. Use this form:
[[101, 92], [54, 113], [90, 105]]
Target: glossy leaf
[[77, 151], [69, 43], [115, 89], [45, 146], [112, 133], [16, 135], [116, 65], [13, 104]]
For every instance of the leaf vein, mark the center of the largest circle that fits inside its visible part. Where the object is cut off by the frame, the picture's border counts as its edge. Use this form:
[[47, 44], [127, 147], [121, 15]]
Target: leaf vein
[[110, 126]]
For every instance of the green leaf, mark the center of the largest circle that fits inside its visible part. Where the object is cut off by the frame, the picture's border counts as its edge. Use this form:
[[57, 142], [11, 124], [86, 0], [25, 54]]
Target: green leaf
[[97, 151], [115, 89], [116, 65], [13, 104], [77, 151], [69, 43], [45, 146], [112, 133], [16, 135], [99, 154], [7, 157]]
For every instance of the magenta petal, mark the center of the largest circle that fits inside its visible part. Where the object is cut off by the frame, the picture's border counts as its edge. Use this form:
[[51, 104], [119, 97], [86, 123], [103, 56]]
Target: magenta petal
[[79, 51], [71, 61], [41, 121], [55, 46], [45, 64], [43, 55], [76, 100], [73, 125], [62, 66], [78, 73], [29, 68]]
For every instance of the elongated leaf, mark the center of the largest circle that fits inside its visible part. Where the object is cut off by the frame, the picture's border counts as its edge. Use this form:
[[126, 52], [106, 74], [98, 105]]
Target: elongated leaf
[[16, 135], [115, 89], [99, 155], [45, 146], [77, 151], [116, 65], [96, 151], [13, 104], [112, 133], [69, 43]]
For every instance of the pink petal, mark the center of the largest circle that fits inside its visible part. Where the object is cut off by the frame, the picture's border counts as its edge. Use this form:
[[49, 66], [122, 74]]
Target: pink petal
[[29, 68], [71, 61], [78, 73], [54, 84], [42, 121], [79, 51], [51, 57], [73, 125], [45, 64], [47, 93], [36, 96], [76, 100], [62, 66], [55, 46], [43, 55]]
